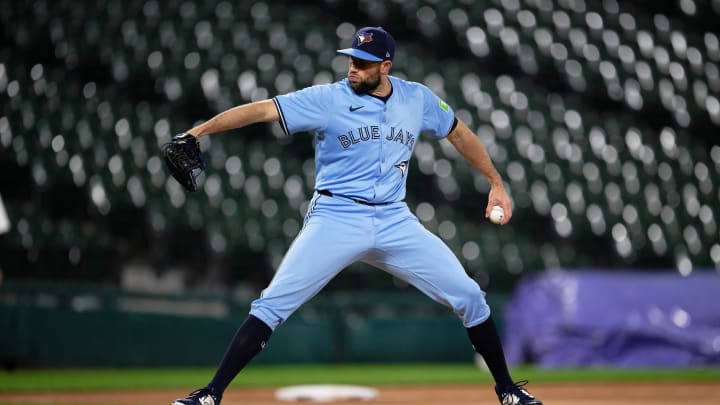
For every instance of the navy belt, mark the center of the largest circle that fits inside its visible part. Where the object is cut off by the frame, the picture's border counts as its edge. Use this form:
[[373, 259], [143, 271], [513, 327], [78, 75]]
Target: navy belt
[[355, 200]]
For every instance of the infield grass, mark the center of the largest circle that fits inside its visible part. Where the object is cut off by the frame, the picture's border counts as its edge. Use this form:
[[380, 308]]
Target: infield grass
[[38, 380]]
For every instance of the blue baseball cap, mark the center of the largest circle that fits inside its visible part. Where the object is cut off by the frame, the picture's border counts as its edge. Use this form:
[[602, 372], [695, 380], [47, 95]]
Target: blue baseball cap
[[372, 44]]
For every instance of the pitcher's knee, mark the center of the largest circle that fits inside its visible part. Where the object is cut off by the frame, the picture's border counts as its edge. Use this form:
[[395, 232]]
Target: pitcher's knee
[[268, 313], [471, 306]]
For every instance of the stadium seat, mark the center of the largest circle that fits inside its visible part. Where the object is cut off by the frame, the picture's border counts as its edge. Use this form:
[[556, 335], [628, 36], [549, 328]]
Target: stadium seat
[[600, 115]]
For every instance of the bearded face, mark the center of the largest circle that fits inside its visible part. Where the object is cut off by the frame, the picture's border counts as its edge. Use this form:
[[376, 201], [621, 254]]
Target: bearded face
[[364, 76]]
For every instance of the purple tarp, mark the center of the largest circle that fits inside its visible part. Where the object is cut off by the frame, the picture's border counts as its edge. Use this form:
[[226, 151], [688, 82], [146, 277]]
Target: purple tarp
[[619, 319]]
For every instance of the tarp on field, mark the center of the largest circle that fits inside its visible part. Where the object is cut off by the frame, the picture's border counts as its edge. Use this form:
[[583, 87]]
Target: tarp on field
[[618, 319]]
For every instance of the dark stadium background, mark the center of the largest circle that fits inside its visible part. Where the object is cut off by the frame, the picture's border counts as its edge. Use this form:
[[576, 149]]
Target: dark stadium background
[[602, 116]]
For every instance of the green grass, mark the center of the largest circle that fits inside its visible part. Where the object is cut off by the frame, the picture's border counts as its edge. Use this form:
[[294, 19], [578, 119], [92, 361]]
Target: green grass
[[273, 376]]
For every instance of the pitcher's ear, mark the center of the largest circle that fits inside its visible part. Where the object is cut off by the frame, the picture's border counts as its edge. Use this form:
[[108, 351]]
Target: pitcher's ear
[[385, 66]]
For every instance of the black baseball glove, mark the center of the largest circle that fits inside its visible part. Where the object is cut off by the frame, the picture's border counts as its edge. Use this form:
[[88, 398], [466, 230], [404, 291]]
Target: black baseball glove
[[184, 160]]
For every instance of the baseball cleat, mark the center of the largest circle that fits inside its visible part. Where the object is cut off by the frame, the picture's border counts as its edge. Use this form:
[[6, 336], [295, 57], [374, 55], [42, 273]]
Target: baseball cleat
[[203, 396], [516, 395]]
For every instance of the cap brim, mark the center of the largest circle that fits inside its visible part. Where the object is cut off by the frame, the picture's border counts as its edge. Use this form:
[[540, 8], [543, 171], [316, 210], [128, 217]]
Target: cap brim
[[356, 53]]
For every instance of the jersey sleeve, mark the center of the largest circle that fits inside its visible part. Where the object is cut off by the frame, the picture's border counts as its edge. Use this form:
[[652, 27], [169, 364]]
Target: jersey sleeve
[[438, 116], [304, 110]]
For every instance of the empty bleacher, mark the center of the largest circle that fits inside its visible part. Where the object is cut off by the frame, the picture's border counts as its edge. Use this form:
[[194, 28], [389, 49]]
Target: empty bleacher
[[601, 115]]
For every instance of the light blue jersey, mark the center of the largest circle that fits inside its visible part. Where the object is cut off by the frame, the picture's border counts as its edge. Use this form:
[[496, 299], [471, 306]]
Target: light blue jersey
[[364, 144]]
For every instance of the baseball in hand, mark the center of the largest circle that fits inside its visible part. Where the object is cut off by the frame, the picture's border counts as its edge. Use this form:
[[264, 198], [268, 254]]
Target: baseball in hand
[[497, 214]]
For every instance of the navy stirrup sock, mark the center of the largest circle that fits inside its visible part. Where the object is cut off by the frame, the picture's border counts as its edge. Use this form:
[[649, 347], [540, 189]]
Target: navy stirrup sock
[[486, 341], [248, 341]]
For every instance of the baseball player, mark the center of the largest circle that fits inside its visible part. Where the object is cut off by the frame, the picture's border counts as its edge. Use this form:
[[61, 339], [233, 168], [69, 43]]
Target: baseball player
[[365, 129]]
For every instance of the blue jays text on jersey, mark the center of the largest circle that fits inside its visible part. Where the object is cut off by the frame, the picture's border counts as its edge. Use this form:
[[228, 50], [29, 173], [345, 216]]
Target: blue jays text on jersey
[[364, 143], [367, 133]]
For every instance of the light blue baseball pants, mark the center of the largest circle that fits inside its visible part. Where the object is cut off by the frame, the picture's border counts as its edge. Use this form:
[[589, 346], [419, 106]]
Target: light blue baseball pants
[[338, 232]]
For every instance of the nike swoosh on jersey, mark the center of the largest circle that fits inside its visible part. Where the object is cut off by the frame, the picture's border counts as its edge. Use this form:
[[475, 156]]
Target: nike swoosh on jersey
[[355, 108]]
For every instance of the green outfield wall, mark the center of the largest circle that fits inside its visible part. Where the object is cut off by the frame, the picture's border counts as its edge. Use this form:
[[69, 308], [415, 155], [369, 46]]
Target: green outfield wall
[[61, 325]]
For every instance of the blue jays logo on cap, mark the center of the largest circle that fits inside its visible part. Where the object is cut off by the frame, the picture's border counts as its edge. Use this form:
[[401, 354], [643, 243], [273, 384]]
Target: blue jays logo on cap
[[372, 44], [364, 38]]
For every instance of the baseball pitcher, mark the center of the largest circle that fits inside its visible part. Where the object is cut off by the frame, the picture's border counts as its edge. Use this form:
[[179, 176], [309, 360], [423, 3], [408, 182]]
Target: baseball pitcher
[[365, 128]]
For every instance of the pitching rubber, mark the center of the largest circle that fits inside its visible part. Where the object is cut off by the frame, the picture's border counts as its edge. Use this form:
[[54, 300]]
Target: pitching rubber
[[325, 393]]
